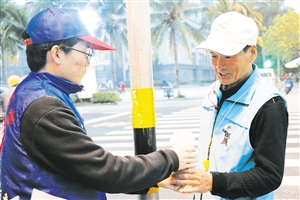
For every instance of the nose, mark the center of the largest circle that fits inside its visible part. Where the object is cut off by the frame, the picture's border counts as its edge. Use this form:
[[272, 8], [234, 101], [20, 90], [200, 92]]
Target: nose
[[219, 62]]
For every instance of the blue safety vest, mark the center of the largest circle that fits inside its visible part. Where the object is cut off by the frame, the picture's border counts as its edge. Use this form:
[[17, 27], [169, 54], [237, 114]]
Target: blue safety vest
[[231, 150], [20, 173]]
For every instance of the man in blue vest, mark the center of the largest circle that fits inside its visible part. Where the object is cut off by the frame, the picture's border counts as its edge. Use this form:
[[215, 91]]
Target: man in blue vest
[[247, 162], [45, 144]]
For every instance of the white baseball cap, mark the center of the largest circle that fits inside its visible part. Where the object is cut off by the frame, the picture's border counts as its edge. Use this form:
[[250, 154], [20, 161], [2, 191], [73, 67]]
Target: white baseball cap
[[230, 33]]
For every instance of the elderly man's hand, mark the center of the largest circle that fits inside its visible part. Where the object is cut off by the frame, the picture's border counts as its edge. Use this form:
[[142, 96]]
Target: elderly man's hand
[[198, 180]]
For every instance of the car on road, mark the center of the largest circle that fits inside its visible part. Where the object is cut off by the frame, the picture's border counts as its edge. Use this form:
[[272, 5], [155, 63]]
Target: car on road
[[268, 74], [103, 86]]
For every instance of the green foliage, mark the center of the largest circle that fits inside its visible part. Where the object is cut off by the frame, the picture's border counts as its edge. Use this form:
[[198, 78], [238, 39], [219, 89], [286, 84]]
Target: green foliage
[[12, 20], [105, 97], [282, 39]]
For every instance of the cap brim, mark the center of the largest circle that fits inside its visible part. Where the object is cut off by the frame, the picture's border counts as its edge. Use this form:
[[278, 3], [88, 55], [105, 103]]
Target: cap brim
[[221, 46], [96, 43]]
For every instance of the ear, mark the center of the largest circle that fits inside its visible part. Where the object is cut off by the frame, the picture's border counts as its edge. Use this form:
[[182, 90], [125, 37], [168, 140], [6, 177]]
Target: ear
[[253, 53], [55, 52]]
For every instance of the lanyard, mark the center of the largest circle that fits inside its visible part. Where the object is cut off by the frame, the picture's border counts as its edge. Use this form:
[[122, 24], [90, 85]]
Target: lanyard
[[206, 161]]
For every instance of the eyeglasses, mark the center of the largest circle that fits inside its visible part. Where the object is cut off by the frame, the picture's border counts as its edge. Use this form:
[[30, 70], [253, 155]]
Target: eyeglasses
[[88, 53]]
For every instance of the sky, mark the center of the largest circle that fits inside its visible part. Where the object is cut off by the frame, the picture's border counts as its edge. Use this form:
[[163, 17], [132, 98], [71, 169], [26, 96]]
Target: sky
[[295, 4]]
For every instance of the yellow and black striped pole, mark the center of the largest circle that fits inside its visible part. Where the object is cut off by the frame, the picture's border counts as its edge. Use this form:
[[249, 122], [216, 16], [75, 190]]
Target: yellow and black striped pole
[[141, 80], [143, 120]]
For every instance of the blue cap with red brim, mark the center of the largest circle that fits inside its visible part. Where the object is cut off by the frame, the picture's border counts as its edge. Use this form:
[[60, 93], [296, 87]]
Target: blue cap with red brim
[[53, 24]]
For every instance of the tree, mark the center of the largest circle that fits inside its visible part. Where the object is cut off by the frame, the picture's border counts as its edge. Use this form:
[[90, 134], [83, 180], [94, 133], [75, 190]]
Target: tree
[[33, 7], [174, 20], [282, 39], [12, 20], [210, 12], [112, 29], [269, 9]]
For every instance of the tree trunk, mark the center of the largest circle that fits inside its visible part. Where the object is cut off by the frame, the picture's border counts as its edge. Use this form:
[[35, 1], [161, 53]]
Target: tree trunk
[[113, 71], [176, 63]]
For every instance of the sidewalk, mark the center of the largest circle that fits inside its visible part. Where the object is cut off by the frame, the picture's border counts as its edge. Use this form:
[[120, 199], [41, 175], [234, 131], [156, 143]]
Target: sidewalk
[[197, 91]]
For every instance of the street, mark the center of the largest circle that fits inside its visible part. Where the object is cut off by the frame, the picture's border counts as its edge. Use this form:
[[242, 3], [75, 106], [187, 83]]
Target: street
[[110, 127]]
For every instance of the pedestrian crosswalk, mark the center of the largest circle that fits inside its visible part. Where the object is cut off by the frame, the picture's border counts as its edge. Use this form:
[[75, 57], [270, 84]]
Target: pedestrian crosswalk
[[292, 161], [166, 125]]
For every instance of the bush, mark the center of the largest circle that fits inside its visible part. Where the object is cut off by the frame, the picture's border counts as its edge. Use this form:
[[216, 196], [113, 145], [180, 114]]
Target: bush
[[105, 97], [180, 96]]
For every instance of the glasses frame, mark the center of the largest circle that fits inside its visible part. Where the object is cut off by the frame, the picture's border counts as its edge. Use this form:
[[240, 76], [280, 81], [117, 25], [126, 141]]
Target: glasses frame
[[88, 55]]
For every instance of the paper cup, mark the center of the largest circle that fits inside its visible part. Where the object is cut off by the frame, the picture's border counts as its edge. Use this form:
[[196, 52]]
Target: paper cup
[[182, 138]]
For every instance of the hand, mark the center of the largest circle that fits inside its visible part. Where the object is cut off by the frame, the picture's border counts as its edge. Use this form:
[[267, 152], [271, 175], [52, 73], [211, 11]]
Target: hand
[[186, 156], [199, 180], [168, 184]]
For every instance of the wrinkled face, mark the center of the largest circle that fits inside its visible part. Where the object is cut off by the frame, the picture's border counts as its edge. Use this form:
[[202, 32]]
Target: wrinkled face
[[73, 66], [232, 69]]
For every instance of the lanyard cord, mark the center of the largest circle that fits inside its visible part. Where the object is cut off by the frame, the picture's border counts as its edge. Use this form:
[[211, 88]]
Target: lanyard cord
[[206, 162]]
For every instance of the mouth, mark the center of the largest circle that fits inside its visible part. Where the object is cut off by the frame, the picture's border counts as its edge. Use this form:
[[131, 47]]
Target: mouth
[[223, 74]]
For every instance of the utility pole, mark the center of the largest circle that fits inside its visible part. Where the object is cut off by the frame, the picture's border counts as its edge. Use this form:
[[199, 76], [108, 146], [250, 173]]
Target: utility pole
[[141, 80]]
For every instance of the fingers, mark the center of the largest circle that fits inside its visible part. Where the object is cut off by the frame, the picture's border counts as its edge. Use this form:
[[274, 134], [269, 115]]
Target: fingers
[[187, 189], [188, 181], [176, 187], [188, 152], [188, 185], [191, 165], [187, 157], [184, 165], [184, 186], [187, 171], [185, 174], [187, 163], [169, 184], [198, 180], [182, 182], [191, 149]]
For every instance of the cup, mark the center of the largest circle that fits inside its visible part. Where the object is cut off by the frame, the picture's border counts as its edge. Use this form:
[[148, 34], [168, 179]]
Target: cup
[[182, 138]]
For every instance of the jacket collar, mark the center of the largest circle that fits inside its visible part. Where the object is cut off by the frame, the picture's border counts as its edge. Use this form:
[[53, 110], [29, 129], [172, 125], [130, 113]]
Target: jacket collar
[[57, 82], [250, 86]]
